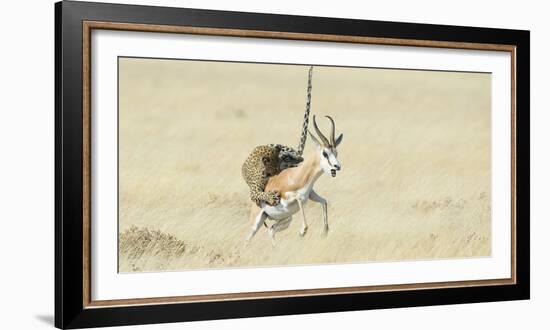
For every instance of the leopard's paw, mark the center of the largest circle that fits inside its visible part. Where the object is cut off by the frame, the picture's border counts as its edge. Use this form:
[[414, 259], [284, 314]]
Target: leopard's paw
[[274, 198]]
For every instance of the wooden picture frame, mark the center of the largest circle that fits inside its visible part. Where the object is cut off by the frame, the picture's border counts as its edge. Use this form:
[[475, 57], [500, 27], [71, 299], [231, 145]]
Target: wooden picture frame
[[74, 306]]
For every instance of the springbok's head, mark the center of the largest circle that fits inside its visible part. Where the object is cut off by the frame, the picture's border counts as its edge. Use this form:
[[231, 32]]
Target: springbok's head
[[328, 154]]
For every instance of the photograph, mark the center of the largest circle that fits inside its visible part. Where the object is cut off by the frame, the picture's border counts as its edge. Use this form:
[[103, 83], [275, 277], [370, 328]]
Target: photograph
[[241, 165]]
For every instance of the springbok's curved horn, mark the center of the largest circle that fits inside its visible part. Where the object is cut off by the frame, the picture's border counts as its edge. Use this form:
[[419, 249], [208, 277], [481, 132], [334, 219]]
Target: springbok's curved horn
[[332, 128], [321, 136], [314, 138]]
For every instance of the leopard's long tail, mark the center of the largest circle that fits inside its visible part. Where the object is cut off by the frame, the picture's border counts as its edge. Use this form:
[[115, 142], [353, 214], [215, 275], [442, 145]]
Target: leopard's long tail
[[303, 137]]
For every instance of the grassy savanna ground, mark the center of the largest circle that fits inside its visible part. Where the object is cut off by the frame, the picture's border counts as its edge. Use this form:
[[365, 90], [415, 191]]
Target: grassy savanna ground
[[415, 179]]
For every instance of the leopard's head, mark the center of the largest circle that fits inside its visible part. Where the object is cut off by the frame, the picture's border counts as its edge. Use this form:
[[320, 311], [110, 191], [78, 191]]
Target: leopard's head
[[270, 159]]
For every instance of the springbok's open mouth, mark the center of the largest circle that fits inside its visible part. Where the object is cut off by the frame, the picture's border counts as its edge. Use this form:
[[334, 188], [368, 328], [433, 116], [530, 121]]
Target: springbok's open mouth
[[333, 172]]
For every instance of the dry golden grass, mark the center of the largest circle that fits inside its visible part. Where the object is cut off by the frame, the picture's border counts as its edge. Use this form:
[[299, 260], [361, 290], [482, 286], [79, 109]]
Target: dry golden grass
[[415, 182]]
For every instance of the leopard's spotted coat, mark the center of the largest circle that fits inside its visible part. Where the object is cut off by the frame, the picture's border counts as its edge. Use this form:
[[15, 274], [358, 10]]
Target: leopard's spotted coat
[[263, 162]]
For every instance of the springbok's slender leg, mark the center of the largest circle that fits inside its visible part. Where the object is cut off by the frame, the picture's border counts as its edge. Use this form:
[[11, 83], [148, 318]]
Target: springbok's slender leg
[[258, 222], [304, 223], [277, 227], [318, 199]]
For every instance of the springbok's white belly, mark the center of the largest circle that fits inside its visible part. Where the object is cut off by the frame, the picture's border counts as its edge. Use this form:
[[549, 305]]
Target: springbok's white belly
[[288, 205]]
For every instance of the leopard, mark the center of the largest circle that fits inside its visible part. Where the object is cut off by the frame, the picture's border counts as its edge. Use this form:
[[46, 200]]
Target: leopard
[[264, 162], [269, 160]]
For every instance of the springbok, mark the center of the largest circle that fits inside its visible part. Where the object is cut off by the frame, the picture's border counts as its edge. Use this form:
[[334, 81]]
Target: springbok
[[295, 186]]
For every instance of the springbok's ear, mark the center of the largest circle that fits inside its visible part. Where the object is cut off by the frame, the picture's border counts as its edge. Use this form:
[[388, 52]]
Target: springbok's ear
[[315, 141], [339, 139]]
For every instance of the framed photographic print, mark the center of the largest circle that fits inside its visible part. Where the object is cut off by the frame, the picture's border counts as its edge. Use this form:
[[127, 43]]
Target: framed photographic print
[[214, 164]]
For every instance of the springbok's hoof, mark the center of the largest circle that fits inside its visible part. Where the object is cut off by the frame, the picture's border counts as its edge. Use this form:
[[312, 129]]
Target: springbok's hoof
[[303, 231], [324, 232], [272, 236]]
